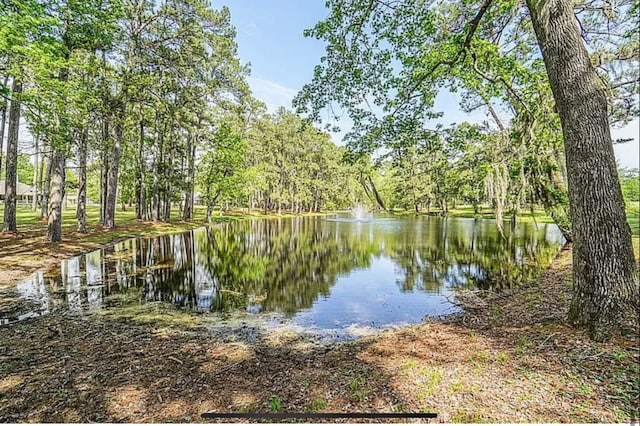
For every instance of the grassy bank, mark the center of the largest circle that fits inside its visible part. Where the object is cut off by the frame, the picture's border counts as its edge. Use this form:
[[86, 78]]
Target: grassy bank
[[538, 215]]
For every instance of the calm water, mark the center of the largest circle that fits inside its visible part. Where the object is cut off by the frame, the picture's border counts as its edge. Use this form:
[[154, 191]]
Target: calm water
[[314, 272]]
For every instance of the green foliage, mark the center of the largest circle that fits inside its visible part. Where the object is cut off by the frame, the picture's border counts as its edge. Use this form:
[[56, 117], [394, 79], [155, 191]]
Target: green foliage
[[385, 63], [220, 173], [275, 403], [25, 169]]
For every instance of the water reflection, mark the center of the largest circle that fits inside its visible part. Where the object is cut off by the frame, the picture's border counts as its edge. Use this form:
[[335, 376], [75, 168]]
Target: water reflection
[[317, 272]]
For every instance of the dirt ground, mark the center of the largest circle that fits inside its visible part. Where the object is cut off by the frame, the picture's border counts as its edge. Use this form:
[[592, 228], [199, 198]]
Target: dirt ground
[[506, 359]]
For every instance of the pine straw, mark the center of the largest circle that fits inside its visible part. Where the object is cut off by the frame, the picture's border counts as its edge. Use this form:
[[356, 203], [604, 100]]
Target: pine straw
[[511, 360]]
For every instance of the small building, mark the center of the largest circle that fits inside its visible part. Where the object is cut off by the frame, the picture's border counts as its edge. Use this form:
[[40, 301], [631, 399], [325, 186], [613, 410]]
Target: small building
[[24, 193]]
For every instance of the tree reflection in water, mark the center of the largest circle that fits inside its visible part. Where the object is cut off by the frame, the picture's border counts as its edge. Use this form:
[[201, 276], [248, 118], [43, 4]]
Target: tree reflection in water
[[288, 266]]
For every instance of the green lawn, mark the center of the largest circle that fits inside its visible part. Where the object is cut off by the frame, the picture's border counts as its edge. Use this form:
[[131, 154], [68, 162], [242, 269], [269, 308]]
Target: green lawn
[[633, 216]]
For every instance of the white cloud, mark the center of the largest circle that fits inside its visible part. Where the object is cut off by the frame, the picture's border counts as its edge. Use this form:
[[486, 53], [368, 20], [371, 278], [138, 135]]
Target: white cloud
[[271, 93], [251, 29]]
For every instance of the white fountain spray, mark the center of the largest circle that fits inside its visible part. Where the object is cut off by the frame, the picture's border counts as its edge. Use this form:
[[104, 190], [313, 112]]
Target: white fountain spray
[[358, 212]]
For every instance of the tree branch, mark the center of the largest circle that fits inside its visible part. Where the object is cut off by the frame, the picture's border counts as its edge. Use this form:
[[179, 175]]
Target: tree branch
[[473, 26], [510, 90]]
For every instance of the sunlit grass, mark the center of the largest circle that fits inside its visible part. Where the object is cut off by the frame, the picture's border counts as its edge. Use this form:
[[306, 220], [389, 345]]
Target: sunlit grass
[[484, 212], [633, 217], [29, 221]]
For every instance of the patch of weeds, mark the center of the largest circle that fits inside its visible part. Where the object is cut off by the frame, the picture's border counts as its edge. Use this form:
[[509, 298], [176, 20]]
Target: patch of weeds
[[358, 389], [584, 389], [478, 357], [158, 314], [400, 408], [627, 388], [275, 403], [430, 379], [525, 397], [523, 345], [532, 301], [495, 314], [362, 394], [410, 365], [305, 384], [356, 382], [7, 367], [620, 414], [466, 417], [317, 404], [456, 387], [502, 358], [578, 411], [248, 408], [620, 355]]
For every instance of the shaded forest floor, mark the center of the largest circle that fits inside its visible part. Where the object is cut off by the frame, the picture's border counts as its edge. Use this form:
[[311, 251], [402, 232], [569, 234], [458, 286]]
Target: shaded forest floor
[[510, 358], [506, 359]]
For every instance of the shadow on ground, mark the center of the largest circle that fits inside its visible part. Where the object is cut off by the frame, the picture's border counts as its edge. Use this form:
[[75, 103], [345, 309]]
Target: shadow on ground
[[507, 359]]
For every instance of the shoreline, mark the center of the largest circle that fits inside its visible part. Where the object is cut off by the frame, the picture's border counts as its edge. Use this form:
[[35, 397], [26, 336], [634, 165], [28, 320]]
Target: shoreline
[[17, 264], [510, 359]]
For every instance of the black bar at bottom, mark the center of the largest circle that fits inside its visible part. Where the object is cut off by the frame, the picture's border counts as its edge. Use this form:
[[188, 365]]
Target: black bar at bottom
[[319, 415]]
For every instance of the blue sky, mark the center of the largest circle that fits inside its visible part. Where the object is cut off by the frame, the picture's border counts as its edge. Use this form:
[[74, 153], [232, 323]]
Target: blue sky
[[282, 60]]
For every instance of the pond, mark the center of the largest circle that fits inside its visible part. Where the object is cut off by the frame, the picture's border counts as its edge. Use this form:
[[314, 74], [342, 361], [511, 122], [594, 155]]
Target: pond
[[319, 273]]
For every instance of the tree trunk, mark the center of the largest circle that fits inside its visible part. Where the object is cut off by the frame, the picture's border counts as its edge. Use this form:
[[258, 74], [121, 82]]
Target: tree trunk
[[188, 196], [34, 200], [103, 185], [3, 121], [112, 177], [54, 227], [376, 194], [167, 187], [46, 186], [104, 168], [11, 175], [40, 171], [155, 195], [605, 276], [81, 209], [443, 207], [141, 199]]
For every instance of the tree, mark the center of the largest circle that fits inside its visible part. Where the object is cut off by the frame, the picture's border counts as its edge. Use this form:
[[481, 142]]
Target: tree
[[9, 224], [23, 31], [605, 273], [220, 171], [386, 61]]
